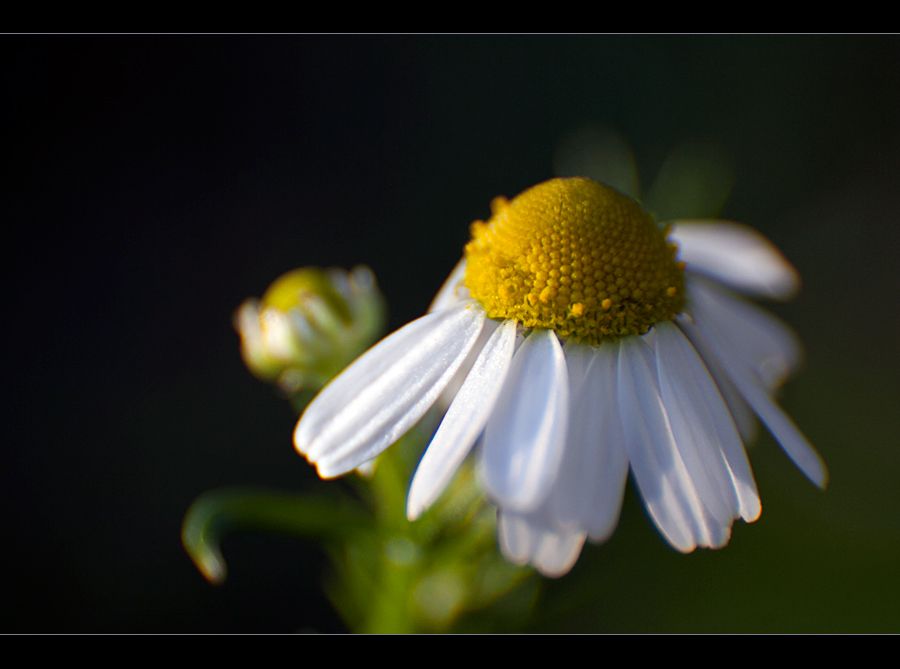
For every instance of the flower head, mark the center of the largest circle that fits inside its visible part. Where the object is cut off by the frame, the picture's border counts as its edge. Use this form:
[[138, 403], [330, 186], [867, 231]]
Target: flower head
[[576, 257], [588, 340]]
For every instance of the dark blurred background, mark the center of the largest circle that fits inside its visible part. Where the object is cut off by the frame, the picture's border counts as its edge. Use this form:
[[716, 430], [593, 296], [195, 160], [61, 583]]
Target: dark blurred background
[[154, 182]]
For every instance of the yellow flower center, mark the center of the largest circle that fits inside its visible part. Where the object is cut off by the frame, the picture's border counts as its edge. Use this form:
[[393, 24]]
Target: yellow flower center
[[577, 257]]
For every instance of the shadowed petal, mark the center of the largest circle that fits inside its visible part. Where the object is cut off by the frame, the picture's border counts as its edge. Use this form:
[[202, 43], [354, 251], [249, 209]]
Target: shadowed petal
[[744, 417], [532, 539], [704, 431], [380, 396], [757, 393], [525, 436], [768, 345], [588, 492], [659, 471]]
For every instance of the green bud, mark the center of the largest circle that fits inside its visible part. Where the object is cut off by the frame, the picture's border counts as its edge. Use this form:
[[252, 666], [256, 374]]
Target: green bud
[[309, 325]]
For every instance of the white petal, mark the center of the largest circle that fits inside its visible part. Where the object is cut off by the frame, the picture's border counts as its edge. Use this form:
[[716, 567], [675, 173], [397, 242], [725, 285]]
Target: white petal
[[740, 411], [588, 491], [464, 421], [367, 469], [526, 434], [528, 539], [757, 394], [785, 431], [737, 256], [452, 291], [601, 154], [768, 345], [659, 471], [446, 398], [704, 431], [379, 397]]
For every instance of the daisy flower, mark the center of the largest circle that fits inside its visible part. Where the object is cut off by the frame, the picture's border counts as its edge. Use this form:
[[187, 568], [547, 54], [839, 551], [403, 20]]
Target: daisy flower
[[585, 340]]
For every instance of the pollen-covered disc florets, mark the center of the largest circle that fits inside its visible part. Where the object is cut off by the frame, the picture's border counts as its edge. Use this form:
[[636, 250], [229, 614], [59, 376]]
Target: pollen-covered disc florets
[[577, 257]]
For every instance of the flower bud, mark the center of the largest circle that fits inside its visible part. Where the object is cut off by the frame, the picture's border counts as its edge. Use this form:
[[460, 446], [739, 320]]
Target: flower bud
[[309, 325]]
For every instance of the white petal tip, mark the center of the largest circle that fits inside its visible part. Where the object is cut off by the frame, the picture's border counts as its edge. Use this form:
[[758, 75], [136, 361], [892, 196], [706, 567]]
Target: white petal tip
[[525, 540], [326, 471], [603, 535], [802, 453], [682, 547], [821, 477], [301, 443], [557, 571], [415, 507], [752, 514]]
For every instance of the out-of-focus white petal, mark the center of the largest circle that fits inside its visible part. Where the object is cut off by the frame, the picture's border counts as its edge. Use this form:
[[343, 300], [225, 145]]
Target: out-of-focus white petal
[[767, 344], [464, 421], [756, 392], [744, 418], [588, 491], [453, 290], [367, 468], [785, 431], [659, 471], [601, 154], [736, 255], [704, 431], [380, 396], [526, 434], [531, 539]]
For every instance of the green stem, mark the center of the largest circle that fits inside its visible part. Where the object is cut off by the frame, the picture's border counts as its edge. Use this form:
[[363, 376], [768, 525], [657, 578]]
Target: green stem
[[219, 512]]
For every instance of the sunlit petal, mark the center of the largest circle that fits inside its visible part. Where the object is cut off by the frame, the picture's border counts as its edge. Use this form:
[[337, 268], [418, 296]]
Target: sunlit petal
[[464, 421], [379, 397]]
